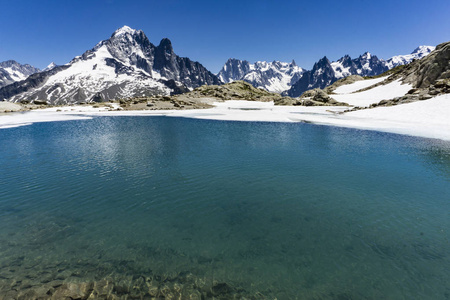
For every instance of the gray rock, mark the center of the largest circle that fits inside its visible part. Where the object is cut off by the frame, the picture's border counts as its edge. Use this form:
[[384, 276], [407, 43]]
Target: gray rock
[[40, 102], [425, 97]]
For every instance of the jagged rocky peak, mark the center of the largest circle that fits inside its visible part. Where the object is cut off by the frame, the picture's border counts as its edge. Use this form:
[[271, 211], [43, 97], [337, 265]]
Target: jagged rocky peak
[[321, 75], [234, 69], [346, 59], [369, 65], [366, 55], [166, 45], [128, 36], [128, 45], [322, 63]]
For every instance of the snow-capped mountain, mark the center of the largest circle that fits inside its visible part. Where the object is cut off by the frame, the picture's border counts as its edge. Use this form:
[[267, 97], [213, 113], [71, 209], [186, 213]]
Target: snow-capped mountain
[[125, 65], [12, 71], [418, 53], [273, 76]]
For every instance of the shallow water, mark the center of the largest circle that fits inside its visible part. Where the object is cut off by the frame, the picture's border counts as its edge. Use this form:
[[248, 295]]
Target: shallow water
[[280, 210]]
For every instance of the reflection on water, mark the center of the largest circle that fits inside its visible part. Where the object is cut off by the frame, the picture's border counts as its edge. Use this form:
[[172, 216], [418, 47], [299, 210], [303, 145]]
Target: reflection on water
[[210, 208]]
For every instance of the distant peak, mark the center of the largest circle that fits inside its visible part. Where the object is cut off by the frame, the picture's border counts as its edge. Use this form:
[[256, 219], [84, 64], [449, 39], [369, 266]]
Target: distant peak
[[344, 58], [8, 63], [423, 49], [293, 63], [50, 66]]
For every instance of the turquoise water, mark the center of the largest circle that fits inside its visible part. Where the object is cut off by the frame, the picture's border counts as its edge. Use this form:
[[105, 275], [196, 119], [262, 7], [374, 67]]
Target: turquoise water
[[286, 211]]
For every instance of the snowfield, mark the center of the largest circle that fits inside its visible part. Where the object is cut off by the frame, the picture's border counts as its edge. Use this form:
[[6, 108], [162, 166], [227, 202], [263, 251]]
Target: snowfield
[[374, 95], [358, 85]]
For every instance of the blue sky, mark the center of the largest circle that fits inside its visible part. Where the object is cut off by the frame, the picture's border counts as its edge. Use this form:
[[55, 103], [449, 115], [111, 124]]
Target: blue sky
[[39, 32]]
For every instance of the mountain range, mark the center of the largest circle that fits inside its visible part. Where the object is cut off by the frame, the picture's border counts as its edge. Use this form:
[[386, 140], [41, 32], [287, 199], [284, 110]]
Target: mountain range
[[129, 65], [293, 82], [273, 76]]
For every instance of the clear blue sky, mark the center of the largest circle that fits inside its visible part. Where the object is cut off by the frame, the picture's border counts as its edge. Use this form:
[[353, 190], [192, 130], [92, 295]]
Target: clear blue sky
[[39, 32]]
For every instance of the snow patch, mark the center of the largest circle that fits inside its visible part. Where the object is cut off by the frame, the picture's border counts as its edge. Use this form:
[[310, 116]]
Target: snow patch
[[358, 85], [374, 95]]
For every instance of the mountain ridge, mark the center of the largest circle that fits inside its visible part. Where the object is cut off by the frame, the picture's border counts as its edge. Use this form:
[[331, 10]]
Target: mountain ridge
[[323, 73], [128, 65], [275, 76]]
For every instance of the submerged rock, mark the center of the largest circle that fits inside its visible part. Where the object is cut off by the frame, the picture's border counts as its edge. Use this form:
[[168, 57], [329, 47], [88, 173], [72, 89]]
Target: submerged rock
[[181, 286]]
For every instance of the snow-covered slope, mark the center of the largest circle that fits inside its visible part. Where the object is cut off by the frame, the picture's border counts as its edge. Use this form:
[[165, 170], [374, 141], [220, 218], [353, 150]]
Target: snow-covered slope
[[12, 71], [357, 85], [374, 95], [125, 65], [418, 53], [273, 76]]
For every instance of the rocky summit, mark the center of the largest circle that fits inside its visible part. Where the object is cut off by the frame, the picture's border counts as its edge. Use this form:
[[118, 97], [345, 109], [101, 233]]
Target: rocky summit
[[125, 65]]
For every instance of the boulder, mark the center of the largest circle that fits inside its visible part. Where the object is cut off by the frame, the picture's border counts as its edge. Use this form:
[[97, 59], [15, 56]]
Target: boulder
[[40, 102]]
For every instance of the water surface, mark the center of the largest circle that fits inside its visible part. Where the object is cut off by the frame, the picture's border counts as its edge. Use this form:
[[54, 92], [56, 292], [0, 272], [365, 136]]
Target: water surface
[[293, 211]]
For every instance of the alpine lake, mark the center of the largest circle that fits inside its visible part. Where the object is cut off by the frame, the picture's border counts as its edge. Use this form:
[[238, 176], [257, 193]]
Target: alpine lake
[[174, 208]]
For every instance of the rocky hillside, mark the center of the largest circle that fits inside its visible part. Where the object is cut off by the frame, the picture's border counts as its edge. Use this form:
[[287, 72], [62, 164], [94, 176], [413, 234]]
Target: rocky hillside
[[204, 96], [429, 76], [125, 65], [429, 71]]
